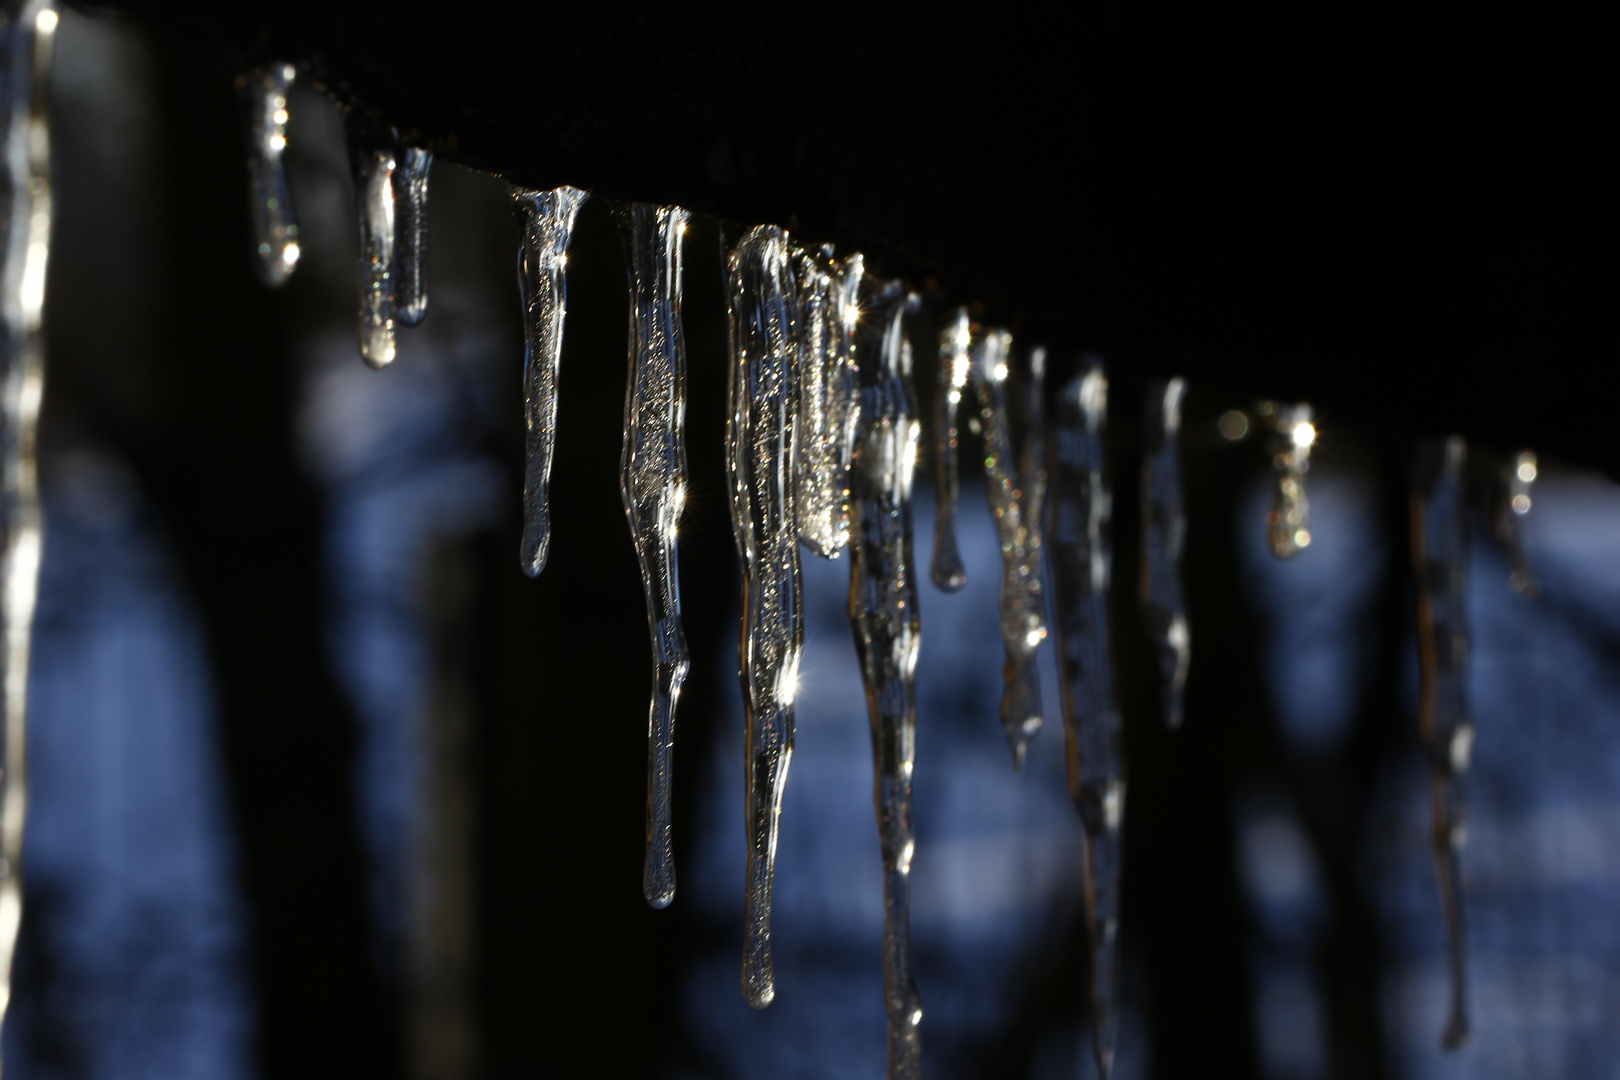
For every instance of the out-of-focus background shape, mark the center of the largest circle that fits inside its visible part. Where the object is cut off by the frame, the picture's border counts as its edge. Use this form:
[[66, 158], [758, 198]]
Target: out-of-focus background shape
[[323, 784]]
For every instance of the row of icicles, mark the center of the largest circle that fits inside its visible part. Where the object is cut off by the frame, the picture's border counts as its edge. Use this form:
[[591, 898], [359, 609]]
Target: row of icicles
[[821, 441], [821, 447]]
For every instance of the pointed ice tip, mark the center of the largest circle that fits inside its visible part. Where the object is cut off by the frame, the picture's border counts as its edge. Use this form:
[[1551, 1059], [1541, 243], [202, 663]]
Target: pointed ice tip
[[1020, 747], [1456, 1033], [948, 572], [760, 994], [659, 896]]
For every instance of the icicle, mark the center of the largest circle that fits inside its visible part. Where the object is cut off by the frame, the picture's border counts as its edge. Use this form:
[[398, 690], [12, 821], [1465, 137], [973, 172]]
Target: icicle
[[546, 219], [374, 186], [27, 227], [1513, 503], [1015, 477], [883, 614], [275, 224], [1082, 567], [1293, 434], [955, 360], [1440, 564], [1164, 537], [760, 432], [411, 235], [652, 481], [829, 308]]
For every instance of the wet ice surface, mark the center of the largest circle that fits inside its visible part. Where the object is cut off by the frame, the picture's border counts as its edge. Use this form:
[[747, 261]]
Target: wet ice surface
[[996, 876], [1541, 874]]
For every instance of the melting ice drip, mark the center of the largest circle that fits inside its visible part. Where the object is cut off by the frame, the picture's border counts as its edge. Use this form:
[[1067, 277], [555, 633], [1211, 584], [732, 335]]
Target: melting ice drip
[[1288, 524], [883, 614], [26, 55], [546, 222], [391, 183], [761, 429], [829, 307], [1081, 572], [1440, 566], [1015, 475], [955, 363], [1164, 538], [652, 482], [1513, 502], [275, 223]]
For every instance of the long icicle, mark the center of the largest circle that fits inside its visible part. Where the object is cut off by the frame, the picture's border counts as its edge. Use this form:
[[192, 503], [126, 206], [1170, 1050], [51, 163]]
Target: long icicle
[[955, 362], [1440, 570], [829, 307], [652, 482], [1082, 569], [27, 54], [411, 234], [883, 614], [546, 221], [374, 188], [761, 428], [275, 223], [1015, 478], [1164, 538]]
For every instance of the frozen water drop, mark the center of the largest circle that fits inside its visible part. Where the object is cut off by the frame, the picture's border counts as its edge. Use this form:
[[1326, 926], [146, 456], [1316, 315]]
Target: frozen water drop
[[1293, 434], [652, 482], [546, 223], [1082, 571], [1015, 478], [1440, 570], [411, 234], [883, 614], [1164, 538], [275, 224], [26, 39], [761, 428], [955, 364], [829, 309]]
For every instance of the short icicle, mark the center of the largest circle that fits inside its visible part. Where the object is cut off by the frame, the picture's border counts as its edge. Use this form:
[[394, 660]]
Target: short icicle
[[1015, 479], [1293, 433], [275, 223], [546, 221], [1513, 502], [413, 164], [829, 308], [883, 615], [374, 188], [652, 482], [1164, 538], [1082, 569], [955, 362], [24, 67], [1440, 570], [761, 428]]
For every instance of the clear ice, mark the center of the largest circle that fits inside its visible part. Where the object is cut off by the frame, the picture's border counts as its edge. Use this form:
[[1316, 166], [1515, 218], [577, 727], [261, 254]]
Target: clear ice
[[374, 188], [275, 224], [829, 308], [28, 36], [883, 614], [546, 221], [410, 234], [652, 482], [1293, 433], [955, 362], [1164, 538], [761, 429], [1015, 478], [1440, 571], [1513, 502], [1082, 567]]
